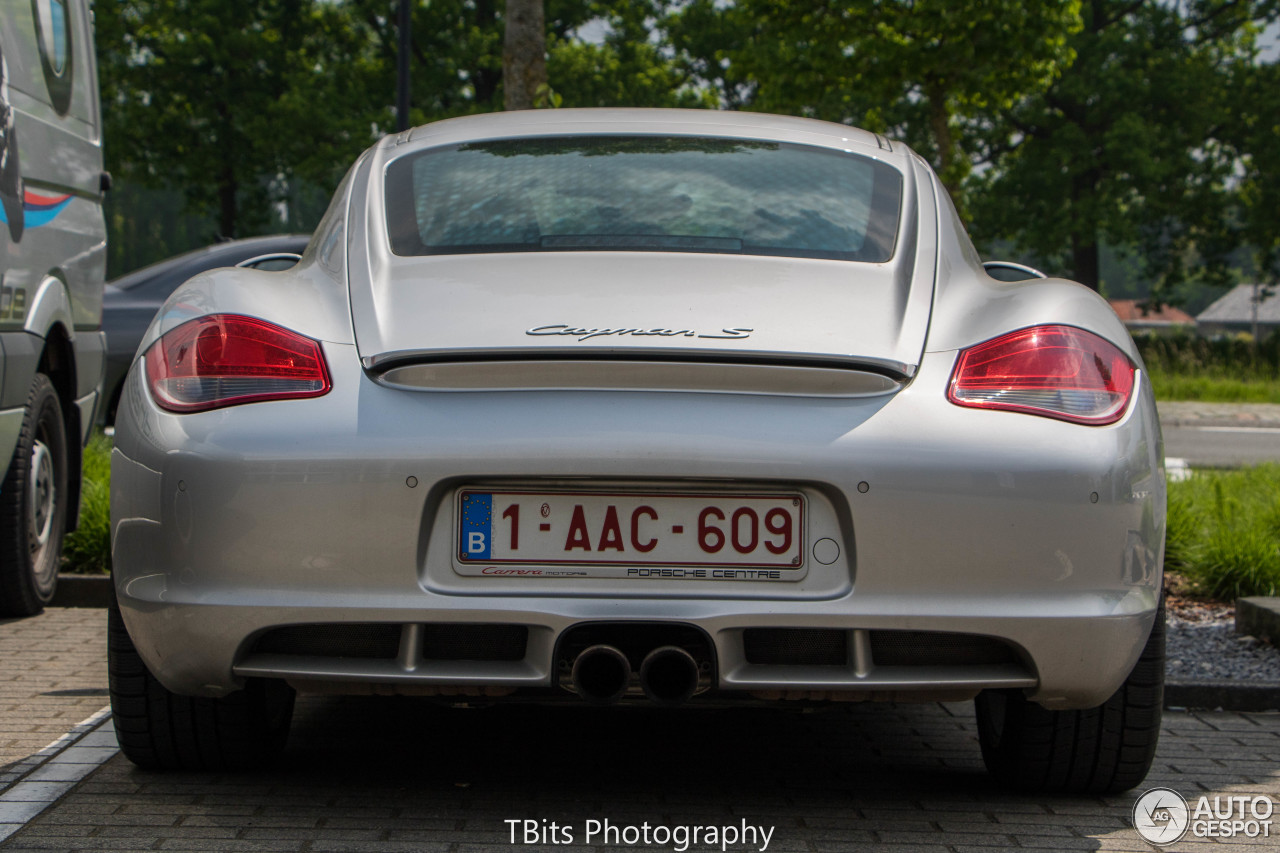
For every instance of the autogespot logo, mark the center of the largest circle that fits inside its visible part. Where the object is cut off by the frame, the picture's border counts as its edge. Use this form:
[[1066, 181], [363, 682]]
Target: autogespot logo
[[1161, 816]]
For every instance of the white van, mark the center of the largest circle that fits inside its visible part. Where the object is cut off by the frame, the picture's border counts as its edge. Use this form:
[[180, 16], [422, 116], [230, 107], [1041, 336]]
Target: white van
[[52, 262]]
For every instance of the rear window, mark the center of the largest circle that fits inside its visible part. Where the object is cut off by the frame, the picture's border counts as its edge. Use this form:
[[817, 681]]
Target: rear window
[[643, 193]]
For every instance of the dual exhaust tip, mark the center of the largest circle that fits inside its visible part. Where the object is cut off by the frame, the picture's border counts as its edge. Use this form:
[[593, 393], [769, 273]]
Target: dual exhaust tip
[[602, 673]]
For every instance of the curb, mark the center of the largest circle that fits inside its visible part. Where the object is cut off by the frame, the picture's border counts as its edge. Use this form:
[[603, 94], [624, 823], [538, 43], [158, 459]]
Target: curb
[[1222, 693], [1259, 616], [82, 591], [1192, 413], [1220, 421], [53, 771]]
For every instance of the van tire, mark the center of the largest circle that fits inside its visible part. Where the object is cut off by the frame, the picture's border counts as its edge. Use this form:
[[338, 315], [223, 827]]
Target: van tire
[[33, 505]]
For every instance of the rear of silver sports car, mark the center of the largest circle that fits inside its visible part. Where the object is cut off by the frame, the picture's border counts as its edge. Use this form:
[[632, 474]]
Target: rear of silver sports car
[[472, 448]]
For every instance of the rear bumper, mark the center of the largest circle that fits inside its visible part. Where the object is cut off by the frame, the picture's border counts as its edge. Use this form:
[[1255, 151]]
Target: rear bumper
[[1069, 653], [1042, 534]]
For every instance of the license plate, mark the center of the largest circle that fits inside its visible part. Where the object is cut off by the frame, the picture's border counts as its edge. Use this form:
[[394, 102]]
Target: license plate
[[710, 536]]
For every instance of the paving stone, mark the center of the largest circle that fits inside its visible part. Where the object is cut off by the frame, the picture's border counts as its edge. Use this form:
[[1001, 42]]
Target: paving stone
[[1057, 841], [338, 846], [81, 754], [230, 845], [182, 831], [59, 831], [57, 815], [42, 792], [62, 649], [269, 820], [20, 811], [858, 847], [52, 772], [87, 845]]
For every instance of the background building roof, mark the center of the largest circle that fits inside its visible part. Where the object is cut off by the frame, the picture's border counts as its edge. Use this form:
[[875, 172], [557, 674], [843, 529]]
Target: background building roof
[[1131, 311], [1236, 306]]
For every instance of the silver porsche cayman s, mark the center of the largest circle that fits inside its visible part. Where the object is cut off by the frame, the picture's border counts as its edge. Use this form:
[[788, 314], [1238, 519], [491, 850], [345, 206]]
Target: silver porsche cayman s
[[641, 406]]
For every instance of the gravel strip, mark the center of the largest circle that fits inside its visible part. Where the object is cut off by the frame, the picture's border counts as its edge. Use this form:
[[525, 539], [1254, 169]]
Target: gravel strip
[[1203, 644]]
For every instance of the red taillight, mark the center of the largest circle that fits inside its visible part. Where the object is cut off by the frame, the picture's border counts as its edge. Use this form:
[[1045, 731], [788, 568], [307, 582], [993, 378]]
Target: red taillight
[[1055, 371], [225, 359]]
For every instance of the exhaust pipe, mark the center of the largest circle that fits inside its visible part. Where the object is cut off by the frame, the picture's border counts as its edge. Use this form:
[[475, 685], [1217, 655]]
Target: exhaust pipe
[[669, 675], [601, 674]]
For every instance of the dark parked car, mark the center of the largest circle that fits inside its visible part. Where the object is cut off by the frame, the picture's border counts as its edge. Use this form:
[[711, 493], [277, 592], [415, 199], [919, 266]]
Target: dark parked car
[[133, 299]]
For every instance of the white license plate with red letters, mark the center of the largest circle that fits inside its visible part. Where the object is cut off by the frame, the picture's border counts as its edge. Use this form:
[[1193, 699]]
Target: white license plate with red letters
[[690, 536]]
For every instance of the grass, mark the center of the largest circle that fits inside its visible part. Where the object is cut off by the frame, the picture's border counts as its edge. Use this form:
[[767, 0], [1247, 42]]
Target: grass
[[1180, 386], [1224, 532], [88, 549]]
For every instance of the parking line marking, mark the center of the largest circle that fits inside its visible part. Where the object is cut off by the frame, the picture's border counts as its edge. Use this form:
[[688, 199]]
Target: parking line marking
[[58, 768]]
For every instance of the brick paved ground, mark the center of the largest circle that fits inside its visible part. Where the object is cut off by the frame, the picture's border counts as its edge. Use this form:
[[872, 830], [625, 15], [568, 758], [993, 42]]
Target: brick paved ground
[[396, 774], [53, 674], [385, 774]]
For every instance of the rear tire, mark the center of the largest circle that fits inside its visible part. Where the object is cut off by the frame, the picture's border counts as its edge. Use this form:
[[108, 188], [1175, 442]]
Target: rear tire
[[161, 730], [33, 505], [1103, 750]]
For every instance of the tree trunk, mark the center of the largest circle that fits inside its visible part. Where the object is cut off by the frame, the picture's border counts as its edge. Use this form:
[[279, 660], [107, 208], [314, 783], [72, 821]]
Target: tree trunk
[[940, 124], [1084, 233], [228, 205], [1084, 258], [228, 186], [524, 60], [486, 80]]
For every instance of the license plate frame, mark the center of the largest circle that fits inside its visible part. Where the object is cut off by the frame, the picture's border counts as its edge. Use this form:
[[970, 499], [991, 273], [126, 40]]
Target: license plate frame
[[608, 529]]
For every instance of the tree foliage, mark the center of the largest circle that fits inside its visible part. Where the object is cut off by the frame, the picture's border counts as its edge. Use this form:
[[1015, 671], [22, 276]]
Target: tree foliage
[[632, 65], [1059, 126], [921, 70], [1253, 137], [1126, 145], [242, 107], [227, 101]]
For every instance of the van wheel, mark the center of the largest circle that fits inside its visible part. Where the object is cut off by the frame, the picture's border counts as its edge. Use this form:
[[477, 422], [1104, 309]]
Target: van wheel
[[33, 506], [161, 730], [1103, 750]]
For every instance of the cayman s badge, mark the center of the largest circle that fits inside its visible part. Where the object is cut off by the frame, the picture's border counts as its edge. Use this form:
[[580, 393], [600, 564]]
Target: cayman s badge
[[583, 334]]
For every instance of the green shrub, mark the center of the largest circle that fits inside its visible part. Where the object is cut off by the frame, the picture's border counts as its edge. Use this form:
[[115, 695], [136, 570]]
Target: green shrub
[[1223, 532], [1236, 563], [1235, 369], [88, 549], [1235, 357], [1182, 530]]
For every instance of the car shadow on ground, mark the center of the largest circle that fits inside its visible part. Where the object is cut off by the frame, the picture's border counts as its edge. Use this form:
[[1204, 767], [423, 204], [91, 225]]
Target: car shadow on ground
[[849, 777], [737, 749]]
